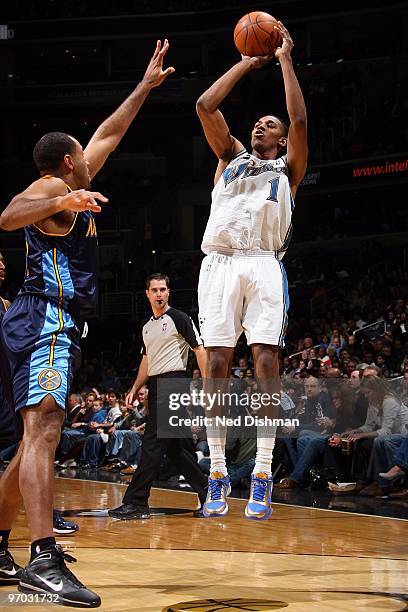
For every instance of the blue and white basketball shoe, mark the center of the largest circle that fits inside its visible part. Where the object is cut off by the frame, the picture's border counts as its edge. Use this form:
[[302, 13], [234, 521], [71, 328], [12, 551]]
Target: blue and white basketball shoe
[[259, 506], [219, 487]]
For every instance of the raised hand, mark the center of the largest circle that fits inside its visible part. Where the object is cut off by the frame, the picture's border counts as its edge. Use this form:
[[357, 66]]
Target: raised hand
[[287, 42], [258, 61], [81, 200], [155, 74]]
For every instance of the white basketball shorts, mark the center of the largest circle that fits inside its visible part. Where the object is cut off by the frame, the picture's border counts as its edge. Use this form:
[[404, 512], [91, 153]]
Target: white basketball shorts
[[245, 291]]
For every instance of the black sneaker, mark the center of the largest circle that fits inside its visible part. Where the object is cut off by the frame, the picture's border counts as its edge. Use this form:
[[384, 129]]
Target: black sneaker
[[87, 466], [198, 514], [10, 572], [48, 574], [127, 512], [61, 526]]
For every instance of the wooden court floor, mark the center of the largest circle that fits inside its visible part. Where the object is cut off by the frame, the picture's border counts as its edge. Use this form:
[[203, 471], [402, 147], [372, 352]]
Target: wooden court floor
[[301, 559]]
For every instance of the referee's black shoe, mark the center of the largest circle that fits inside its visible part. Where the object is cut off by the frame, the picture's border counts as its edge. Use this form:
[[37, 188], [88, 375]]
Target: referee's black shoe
[[61, 526], [48, 574], [127, 512], [10, 572]]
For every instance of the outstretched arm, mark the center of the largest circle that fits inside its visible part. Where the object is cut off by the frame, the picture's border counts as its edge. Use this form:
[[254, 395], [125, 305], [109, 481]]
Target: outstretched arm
[[111, 131], [44, 199], [216, 130], [295, 104]]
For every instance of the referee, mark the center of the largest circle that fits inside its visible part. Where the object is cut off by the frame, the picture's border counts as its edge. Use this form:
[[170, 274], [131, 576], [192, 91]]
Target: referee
[[167, 336]]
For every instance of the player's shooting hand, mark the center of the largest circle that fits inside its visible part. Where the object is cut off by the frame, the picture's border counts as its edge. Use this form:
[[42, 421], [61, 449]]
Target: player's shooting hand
[[287, 43], [81, 200], [155, 74], [258, 61]]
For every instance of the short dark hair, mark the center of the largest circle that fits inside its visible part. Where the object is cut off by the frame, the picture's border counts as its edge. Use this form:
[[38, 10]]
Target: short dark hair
[[112, 391], [284, 124], [157, 276], [49, 151]]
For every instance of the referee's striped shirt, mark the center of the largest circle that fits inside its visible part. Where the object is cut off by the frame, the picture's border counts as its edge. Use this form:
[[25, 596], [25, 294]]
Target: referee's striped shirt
[[166, 341]]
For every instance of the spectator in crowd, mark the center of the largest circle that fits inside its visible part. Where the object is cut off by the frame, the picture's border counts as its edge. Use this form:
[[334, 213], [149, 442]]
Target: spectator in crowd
[[399, 470], [74, 406], [123, 448], [198, 432], [386, 415], [311, 448], [197, 382], [242, 366], [315, 420], [84, 424], [92, 448]]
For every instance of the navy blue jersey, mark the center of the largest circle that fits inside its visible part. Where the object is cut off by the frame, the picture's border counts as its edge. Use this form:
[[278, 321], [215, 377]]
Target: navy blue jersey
[[3, 307], [7, 424], [63, 268]]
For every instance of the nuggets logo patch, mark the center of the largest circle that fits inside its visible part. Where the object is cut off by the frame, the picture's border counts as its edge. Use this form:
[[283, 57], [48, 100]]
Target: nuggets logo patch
[[49, 379]]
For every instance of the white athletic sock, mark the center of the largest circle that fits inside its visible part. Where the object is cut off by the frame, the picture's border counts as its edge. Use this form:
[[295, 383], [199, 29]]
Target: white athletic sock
[[265, 444], [216, 436]]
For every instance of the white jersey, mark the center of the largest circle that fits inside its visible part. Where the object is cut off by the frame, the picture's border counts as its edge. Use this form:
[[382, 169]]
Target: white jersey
[[251, 207]]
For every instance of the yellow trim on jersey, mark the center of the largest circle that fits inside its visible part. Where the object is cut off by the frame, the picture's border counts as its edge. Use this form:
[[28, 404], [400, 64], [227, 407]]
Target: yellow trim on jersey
[[91, 231], [58, 235], [27, 249], [5, 303], [48, 176], [60, 317]]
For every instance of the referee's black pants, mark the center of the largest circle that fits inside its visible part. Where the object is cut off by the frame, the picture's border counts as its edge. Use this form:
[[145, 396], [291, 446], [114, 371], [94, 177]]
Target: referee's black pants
[[180, 451]]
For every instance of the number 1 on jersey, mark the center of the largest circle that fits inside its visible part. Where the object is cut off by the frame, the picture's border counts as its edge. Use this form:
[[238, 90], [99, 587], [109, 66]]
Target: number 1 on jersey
[[273, 196]]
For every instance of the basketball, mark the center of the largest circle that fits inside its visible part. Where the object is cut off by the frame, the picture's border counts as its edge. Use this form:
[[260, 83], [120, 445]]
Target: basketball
[[255, 34]]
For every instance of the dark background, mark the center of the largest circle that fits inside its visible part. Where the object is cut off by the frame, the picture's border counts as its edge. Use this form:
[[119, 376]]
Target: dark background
[[66, 66]]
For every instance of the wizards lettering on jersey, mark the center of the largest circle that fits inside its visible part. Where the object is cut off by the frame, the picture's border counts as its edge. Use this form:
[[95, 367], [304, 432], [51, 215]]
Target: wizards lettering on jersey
[[247, 170]]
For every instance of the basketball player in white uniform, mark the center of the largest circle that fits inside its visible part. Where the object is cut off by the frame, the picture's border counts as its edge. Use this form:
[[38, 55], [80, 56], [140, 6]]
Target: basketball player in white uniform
[[242, 284]]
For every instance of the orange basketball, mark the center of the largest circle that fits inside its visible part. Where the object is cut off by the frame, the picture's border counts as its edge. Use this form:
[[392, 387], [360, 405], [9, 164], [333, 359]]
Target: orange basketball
[[255, 34]]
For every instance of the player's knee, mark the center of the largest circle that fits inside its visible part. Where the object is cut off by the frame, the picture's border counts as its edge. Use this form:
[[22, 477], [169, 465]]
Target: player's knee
[[43, 421], [267, 358], [217, 365]]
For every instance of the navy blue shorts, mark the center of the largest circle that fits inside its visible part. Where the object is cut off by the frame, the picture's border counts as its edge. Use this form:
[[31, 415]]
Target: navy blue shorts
[[40, 342]]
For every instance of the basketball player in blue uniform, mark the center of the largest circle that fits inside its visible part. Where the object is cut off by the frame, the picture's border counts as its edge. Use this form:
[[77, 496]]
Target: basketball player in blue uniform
[[40, 331], [242, 285]]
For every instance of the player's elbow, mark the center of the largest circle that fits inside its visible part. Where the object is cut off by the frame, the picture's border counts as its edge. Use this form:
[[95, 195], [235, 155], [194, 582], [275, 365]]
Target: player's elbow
[[6, 223], [202, 106]]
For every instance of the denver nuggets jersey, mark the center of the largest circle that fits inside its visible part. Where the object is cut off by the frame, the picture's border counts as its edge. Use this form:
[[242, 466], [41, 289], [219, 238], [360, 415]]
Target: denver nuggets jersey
[[251, 207], [7, 426], [63, 268]]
